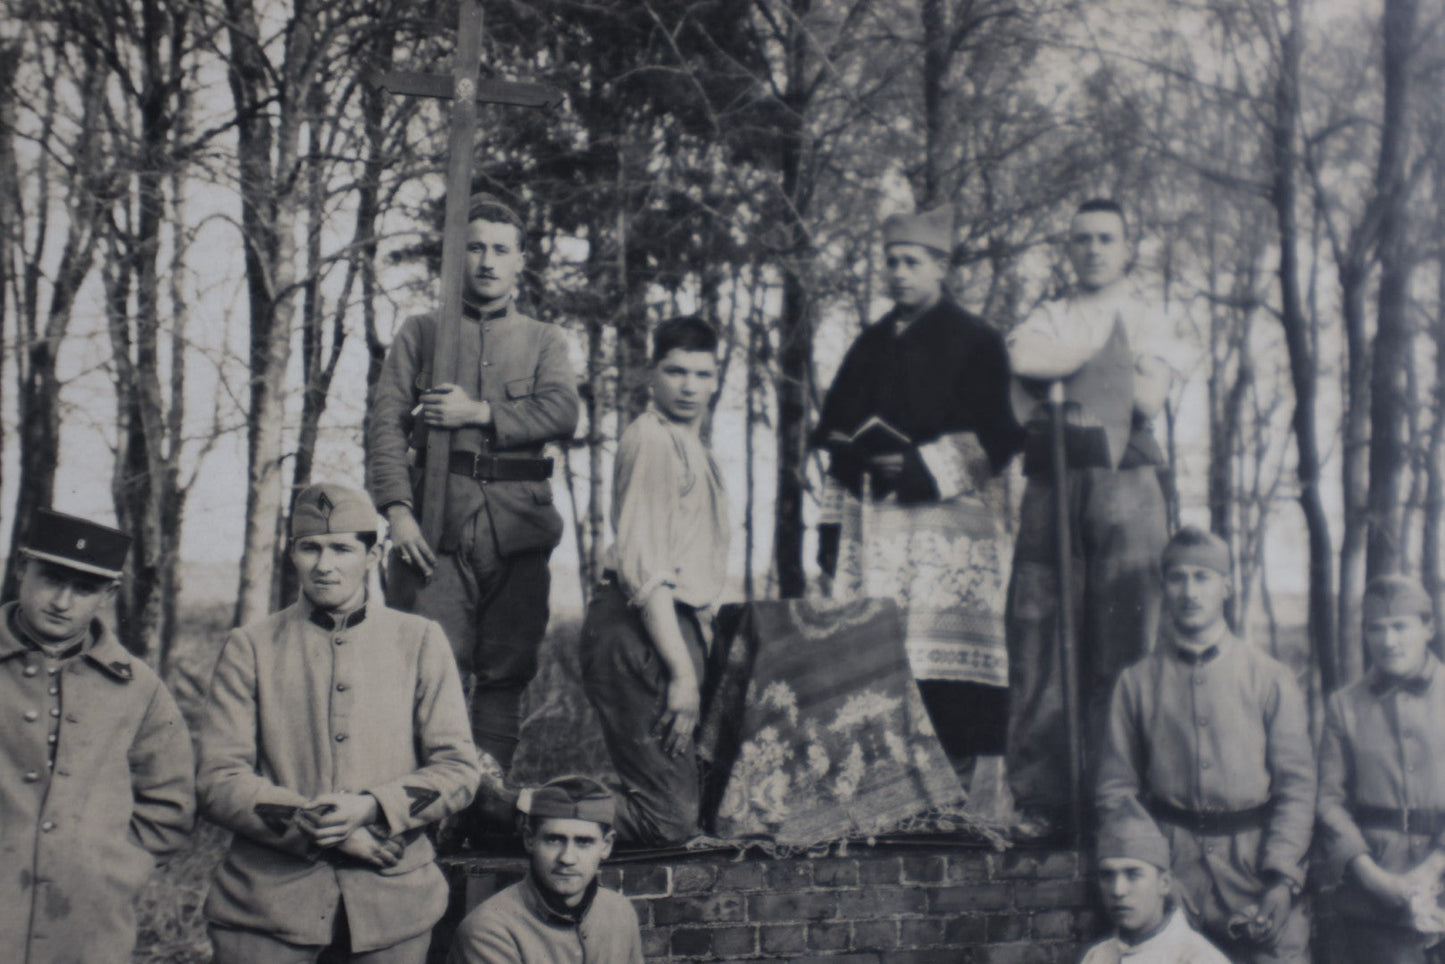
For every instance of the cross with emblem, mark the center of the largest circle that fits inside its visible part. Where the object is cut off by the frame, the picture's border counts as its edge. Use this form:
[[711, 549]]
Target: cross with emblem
[[465, 91]]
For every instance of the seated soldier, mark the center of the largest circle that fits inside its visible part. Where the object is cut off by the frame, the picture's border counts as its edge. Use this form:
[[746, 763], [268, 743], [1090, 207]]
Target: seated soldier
[[1207, 735], [334, 734], [91, 796], [1382, 784], [557, 914], [1134, 882], [643, 645]]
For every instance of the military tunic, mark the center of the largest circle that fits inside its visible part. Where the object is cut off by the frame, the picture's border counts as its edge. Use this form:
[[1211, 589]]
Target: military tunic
[[1382, 792], [96, 781], [301, 707], [519, 926], [1175, 943], [1224, 734]]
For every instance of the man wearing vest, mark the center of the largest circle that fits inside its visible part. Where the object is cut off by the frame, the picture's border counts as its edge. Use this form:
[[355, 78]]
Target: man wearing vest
[[334, 733], [1208, 736], [487, 580], [96, 773], [557, 914], [1112, 352], [1382, 785], [910, 508]]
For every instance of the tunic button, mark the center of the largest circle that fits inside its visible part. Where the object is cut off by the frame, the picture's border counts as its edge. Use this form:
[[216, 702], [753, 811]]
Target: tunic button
[[31, 716], [52, 670], [51, 738], [55, 711], [53, 691], [31, 776], [1204, 764], [30, 671], [48, 826], [341, 738], [341, 687], [340, 641]]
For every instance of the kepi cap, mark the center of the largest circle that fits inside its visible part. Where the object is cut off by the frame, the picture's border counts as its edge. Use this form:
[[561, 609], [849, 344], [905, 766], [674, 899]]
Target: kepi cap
[[326, 508], [932, 229], [1396, 595], [1193, 546], [75, 543], [1133, 838], [573, 797]]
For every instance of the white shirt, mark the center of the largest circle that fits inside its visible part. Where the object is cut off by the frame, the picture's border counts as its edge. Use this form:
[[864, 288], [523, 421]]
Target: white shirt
[[1175, 943], [1058, 337]]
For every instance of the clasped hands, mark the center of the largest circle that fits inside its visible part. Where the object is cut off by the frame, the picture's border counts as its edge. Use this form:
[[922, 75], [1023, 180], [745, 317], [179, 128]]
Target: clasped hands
[[346, 822]]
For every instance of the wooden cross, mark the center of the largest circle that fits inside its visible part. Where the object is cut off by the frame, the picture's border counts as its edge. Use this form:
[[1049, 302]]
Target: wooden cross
[[465, 91]]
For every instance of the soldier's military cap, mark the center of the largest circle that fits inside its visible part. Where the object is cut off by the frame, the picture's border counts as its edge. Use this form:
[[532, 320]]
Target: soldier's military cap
[[1193, 546], [1395, 595], [75, 543], [482, 206], [573, 797], [326, 508], [1133, 838], [932, 229]]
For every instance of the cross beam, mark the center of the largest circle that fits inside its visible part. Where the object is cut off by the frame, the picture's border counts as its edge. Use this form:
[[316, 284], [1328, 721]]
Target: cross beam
[[465, 92]]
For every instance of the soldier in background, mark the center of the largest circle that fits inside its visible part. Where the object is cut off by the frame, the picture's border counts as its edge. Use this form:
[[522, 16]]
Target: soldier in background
[[1208, 736], [96, 773], [1382, 785]]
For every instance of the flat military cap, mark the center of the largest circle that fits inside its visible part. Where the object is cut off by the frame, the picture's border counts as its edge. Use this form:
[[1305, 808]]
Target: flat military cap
[[932, 229], [76, 544], [326, 507], [1133, 838], [1193, 546], [573, 797], [1395, 595], [482, 206]]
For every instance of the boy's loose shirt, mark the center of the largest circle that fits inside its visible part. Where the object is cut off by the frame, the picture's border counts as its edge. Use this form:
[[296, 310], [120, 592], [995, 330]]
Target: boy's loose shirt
[[96, 778], [302, 705]]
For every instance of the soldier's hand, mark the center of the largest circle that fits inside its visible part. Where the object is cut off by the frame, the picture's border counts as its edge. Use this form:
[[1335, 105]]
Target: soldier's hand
[[449, 406], [332, 817], [679, 719], [364, 845], [1274, 908], [410, 544]]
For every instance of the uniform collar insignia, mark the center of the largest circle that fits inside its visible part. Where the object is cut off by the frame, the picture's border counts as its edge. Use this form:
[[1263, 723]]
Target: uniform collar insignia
[[1197, 657], [332, 623]]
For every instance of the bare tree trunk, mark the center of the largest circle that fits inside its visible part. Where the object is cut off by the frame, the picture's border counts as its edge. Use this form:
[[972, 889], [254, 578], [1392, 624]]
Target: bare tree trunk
[[1432, 565], [1303, 359], [38, 396], [268, 161], [1389, 444]]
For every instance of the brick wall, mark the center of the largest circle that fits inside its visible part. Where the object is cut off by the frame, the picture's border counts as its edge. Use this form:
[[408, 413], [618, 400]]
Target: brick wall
[[894, 905]]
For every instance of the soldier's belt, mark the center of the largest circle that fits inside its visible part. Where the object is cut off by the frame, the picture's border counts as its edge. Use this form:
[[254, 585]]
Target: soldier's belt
[[1425, 821], [499, 468], [1210, 821]]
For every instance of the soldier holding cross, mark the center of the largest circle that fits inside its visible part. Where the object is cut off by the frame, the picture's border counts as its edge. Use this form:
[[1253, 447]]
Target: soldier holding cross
[[486, 580]]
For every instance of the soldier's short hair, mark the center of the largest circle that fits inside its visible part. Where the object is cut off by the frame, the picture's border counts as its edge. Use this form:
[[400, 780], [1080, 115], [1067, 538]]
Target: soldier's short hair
[[688, 333], [489, 207]]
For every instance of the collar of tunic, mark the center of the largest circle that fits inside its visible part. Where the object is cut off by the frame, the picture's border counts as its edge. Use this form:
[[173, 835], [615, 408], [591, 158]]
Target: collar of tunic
[[104, 651], [548, 908], [1381, 683]]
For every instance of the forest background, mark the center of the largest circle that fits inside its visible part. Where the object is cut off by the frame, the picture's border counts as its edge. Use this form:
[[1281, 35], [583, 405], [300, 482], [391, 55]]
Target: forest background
[[212, 222]]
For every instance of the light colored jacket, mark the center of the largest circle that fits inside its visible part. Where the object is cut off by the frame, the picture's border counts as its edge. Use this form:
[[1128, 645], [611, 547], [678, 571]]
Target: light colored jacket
[[297, 710], [80, 831], [1176, 943], [517, 926]]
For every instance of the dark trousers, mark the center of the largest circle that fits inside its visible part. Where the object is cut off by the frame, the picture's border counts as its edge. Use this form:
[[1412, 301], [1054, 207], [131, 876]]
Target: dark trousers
[[626, 682], [1119, 528], [494, 612]]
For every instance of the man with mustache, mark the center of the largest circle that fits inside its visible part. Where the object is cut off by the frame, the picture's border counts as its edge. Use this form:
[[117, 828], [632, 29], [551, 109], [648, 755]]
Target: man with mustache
[[334, 733], [1382, 785], [1208, 737], [487, 580], [557, 914], [96, 777], [917, 423], [1112, 354]]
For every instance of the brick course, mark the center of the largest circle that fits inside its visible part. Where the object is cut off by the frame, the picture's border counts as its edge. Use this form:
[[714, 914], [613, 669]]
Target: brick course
[[876, 906]]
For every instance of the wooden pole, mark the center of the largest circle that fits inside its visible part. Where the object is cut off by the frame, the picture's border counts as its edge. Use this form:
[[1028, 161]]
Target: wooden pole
[[1067, 637], [454, 254]]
